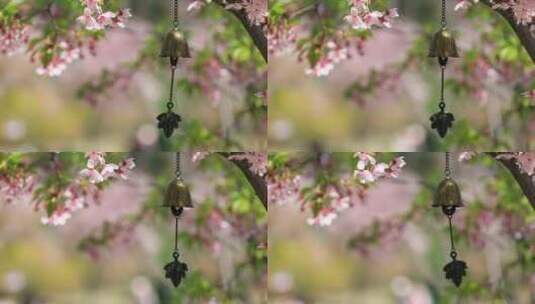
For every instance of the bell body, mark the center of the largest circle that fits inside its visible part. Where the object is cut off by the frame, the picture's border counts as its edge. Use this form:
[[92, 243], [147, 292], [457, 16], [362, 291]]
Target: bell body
[[443, 45], [175, 46], [447, 194], [177, 195]]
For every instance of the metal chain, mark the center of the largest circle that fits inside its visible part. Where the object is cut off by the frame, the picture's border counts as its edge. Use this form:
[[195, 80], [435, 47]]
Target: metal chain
[[178, 172], [447, 171], [443, 20], [176, 234], [175, 13]]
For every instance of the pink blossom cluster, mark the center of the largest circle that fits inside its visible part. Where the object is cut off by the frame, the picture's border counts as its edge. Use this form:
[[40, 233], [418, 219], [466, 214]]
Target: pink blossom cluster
[[282, 187], [361, 17], [334, 198], [343, 44], [257, 161], [338, 196], [281, 36], [255, 10], [335, 52], [368, 170], [65, 54], [15, 185], [13, 37], [523, 10], [95, 19], [98, 171], [72, 198], [78, 194]]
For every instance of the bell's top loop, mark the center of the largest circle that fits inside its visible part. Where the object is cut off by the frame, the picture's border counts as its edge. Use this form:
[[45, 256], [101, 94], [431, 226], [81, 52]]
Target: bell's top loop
[[178, 194], [448, 194], [443, 45], [175, 45]]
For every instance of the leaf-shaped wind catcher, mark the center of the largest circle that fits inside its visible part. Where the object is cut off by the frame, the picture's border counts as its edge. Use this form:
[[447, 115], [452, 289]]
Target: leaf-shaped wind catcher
[[455, 271]]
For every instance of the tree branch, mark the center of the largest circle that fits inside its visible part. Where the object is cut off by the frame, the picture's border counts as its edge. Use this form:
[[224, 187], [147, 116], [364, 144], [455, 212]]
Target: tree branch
[[255, 31], [257, 182], [522, 31], [525, 181]]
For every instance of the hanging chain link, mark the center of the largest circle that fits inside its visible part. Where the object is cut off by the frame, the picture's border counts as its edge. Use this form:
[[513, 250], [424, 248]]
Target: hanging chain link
[[447, 170], [443, 12], [175, 13], [178, 172]]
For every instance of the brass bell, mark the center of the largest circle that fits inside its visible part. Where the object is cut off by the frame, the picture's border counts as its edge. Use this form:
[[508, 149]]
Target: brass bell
[[175, 46], [177, 195], [443, 45], [448, 195]]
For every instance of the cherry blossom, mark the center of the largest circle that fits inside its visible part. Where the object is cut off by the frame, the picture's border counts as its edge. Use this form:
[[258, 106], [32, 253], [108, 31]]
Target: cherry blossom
[[256, 160], [369, 171], [466, 156], [77, 194], [327, 49], [281, 37], [523, 10], [281, 187], [98, 171], [334, 55], [95, 19], [325, 217], [16, 185], [329, 195], [13, 37], [362, 18], [65, 54]]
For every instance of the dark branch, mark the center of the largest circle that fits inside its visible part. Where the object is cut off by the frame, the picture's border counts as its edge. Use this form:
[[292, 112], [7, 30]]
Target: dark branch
[[255, 31], [525, 181], [257, 182], [522, 31]]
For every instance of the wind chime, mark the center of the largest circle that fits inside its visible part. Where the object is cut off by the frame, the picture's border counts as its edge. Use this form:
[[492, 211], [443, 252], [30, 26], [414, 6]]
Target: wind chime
[[442, 47], [174, 47], [177, 198], [448, 197]]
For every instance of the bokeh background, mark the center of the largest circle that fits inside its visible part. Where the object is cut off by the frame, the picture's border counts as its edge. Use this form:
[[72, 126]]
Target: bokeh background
[[49, 264], [314, 264], [390, 110]]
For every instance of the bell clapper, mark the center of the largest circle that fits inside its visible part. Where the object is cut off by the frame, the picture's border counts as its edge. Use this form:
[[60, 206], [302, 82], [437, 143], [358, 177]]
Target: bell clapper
[[448, 198]]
